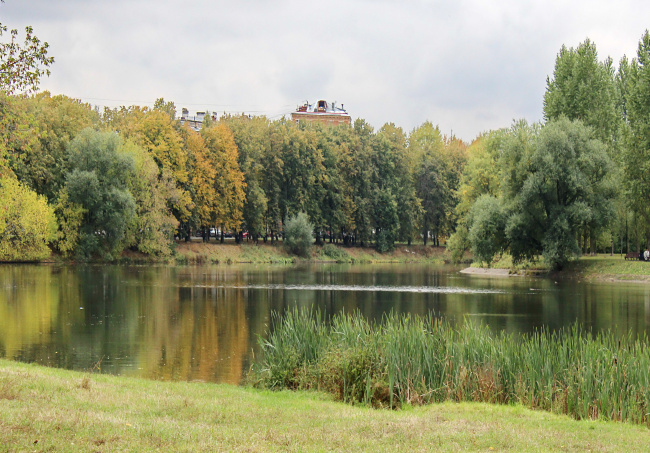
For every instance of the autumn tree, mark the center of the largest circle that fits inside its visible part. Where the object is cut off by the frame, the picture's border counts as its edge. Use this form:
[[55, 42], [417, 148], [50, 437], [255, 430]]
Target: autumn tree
[[153, 226], [203, 172], [252, 139], [27, 223], [159, 134], [229, 182]]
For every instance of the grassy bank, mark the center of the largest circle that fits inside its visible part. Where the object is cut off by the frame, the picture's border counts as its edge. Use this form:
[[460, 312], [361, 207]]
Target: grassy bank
[[54, 410], [198, 252], [609, 268], [602, 267], [412, 360]]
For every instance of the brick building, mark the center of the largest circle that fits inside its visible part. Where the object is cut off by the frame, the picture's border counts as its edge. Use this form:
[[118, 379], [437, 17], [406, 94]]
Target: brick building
[[321, 112]]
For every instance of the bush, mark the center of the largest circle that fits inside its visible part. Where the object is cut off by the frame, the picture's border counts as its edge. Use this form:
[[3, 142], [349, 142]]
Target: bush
[[298, 234], [333, 252]]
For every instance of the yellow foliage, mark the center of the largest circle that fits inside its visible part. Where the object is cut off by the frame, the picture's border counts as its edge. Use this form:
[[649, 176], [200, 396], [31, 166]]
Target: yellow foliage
[[27, 223]]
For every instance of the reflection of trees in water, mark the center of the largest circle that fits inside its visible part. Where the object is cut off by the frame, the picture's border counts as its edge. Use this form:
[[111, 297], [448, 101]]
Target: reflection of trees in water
[[34, 307], [189, 332], [202, 322]]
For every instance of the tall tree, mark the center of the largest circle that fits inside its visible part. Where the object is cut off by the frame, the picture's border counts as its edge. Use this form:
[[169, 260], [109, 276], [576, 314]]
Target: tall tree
[[252, 140], [229, 182], [153, 226], [635, 85], [583, 88]]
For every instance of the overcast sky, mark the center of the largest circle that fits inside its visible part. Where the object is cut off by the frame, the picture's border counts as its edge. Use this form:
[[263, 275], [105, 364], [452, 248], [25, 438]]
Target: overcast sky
[[467, 66]]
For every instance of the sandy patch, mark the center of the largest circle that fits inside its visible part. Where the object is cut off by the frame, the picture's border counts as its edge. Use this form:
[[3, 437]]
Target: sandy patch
[[486, 272]]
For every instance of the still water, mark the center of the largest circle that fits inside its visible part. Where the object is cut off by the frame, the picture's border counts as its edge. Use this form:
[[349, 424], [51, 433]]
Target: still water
[[203, 323]]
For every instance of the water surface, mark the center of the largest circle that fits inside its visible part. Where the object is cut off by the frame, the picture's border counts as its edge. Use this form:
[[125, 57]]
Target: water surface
[[203, 323]]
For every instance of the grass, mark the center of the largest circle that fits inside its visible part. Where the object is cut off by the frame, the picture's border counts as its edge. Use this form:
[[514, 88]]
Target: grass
[[505, 262], [247, 252], [411, 360], [599, 267], [609, 267], [44, 409]]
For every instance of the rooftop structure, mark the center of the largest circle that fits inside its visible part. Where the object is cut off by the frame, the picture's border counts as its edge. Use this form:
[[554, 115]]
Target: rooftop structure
[[321, 112], [194, 122]]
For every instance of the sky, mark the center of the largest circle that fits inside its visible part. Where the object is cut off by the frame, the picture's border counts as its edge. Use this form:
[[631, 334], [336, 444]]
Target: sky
[[468, 66]]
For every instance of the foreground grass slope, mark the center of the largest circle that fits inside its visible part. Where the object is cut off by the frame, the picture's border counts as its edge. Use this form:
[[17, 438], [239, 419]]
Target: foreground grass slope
[[45, 409]]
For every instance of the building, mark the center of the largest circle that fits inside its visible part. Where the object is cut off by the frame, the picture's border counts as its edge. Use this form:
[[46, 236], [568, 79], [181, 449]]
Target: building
[[194, 122], [321, 112]]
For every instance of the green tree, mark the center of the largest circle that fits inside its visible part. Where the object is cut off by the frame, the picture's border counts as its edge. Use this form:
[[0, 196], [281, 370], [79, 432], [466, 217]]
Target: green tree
[[567, 186], [363, 182], [487, 231], [635, 85], [555, 180], [57, 120], [303, 172], [480, 176], [22, 64], [99, 182], [153, 226], [298, 234], [252, 140], [582, 88]]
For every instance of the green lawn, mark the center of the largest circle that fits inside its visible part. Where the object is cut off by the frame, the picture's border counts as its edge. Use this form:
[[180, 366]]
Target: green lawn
[[610, 266], [44, 409], [599, 267]]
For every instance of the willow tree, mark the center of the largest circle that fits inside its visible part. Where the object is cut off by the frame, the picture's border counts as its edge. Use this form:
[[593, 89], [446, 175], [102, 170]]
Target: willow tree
[[99, 182], [555, 180]]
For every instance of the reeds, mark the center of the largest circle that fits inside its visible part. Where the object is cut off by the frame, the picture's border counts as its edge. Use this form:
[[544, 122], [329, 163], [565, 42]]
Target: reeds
[[408, 359]]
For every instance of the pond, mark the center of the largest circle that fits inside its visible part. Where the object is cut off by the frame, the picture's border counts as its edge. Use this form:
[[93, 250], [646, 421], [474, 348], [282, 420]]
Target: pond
[[203, 323]]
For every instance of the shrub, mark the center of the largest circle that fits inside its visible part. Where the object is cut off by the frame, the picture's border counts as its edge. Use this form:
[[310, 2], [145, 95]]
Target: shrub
[[298, 234], [333, 252]]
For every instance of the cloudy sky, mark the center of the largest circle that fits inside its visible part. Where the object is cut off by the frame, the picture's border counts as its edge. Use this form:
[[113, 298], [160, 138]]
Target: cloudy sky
[[466, 65]]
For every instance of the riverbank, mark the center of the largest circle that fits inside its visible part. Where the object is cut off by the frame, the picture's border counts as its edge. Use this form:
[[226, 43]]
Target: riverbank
[[198, 252], [49, 409], [604, 267]]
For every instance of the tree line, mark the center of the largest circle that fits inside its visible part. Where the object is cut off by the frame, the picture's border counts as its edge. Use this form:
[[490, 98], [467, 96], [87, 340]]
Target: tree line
[[579, 182], [90, 183]]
